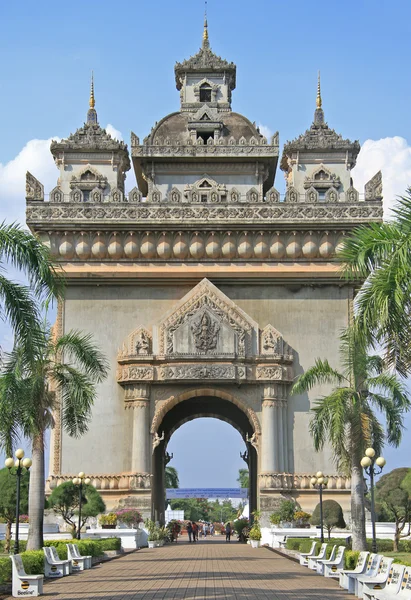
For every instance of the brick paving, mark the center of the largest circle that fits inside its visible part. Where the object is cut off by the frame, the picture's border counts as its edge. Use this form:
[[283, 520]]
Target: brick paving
[[210, 569]]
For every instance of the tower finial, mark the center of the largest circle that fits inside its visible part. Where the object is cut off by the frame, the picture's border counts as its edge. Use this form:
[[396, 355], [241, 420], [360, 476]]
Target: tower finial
[[205, 32], [91, 113], [319, 101], [92, 101]]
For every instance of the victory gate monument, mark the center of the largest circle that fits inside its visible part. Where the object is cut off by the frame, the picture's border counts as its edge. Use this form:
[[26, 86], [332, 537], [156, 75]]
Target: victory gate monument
[[207, 291]]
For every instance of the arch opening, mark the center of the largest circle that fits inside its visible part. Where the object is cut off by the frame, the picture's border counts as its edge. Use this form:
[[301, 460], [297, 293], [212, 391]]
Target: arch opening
[[184, 411]]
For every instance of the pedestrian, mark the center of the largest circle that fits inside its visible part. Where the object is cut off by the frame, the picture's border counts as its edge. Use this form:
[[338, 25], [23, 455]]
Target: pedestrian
[[195, 532], [175, 531], [189, 531], [211, 529], [228, 532], [205, 530]]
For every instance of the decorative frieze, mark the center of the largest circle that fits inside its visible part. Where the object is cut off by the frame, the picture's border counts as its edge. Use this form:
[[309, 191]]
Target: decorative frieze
[[288, 481], [149, 213], [103, 482], [203, 245]]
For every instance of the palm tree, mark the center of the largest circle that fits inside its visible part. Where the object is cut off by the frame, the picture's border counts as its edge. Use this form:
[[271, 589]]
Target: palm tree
[[346, 417], [172, 480], [380, 255], [19, 303], [63, 370]]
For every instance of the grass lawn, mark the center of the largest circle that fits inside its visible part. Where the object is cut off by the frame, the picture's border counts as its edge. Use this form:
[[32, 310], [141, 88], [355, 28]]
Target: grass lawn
[[404, 557]]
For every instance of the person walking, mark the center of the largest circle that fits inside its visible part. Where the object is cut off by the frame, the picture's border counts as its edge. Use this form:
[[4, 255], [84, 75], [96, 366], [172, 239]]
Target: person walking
[[211, 529], [228, 532], [189, 531], [205, 530], [195, 532]]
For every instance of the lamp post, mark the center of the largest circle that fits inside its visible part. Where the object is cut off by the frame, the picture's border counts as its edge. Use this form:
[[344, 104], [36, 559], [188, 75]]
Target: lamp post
[[320, 480], [18, 467], [368, 463], [80, 480]]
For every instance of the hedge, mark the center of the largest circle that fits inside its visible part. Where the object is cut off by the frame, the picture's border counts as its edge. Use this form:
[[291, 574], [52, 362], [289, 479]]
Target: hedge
[[33, 560]]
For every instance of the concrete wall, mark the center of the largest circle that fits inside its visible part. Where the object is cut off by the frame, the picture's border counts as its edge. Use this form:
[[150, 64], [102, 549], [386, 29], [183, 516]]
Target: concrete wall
[[310, 319]]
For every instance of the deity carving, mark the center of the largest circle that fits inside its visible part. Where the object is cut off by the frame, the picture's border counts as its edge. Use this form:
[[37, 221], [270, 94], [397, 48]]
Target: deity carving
[[271, 342], [205, 333], [157, 439], [143, 344]]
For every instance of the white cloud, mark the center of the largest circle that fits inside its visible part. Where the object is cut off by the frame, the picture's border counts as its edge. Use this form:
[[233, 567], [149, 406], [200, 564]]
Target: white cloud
[[265, 131], [115, 133], [391, 155], [34, 157]]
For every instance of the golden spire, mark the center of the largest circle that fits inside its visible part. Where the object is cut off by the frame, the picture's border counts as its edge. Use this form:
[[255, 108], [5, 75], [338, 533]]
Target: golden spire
[[319, 101], [205, 32], [91, 101]]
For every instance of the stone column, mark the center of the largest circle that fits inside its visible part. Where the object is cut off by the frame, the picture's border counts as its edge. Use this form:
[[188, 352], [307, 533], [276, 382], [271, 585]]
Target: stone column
[[269, 448], [280, 438], [137, 399], [285, 435]]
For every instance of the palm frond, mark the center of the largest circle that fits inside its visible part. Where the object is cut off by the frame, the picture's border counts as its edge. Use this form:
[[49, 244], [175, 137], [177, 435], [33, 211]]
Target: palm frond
[[394, 416], [320, 373], [28, 254], [329, 421], [19, 308], [78, 395], [80, 348], [391, 386]]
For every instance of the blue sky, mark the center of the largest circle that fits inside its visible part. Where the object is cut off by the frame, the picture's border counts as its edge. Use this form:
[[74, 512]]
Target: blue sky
[[48, 50]]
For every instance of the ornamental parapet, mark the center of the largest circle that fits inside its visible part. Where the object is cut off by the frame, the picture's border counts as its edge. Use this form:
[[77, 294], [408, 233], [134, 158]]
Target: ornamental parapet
[[106, 482], [289, 481], [211, 149], [191, 246]]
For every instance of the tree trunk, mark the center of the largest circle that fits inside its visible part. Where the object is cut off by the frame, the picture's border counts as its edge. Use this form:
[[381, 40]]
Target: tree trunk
[[8, 537], [359, 541], [396, 539], [36, 494]]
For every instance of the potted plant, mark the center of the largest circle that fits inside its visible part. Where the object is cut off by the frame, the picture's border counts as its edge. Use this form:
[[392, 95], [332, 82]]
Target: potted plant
[[108, 521], [161, 533], [286, 512], [275, 519], [302, 518], [130, 517], [153, 534], [255, 535]]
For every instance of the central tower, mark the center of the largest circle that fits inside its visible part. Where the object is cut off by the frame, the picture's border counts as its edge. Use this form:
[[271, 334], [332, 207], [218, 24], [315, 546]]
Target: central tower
[[207, 291]]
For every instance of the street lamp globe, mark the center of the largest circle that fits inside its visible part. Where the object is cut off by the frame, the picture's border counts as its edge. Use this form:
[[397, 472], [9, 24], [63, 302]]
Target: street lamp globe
[[313, 480], [87, 480], [366, 461], [370, 452], [81, 475], [319, 474], [320, 480], [75, 480], [381, 462], [19, 453], [325, 481], [27, 462], [9, 462]]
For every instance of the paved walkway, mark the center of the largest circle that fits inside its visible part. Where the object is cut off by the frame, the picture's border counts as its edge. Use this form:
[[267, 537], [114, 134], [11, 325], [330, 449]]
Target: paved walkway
[[210, 569]]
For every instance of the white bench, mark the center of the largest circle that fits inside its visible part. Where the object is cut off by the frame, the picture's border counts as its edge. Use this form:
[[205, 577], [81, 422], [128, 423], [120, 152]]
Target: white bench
[[78, 563], [392, 587], [377, 582], [320, 562], [360, 568], [405, 589], [305, 555], [312, 560], [23, 584], [74, 551], [54, 559], [333, 568], [373, 564]]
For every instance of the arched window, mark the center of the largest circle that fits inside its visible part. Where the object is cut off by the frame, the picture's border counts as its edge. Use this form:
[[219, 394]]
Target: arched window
[[205, 92]]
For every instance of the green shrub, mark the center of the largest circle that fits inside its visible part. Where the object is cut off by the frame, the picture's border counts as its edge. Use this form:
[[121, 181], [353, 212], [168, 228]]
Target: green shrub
[[33, 562], [22, 545], [350, 559], [110, 544], [306, 546], [298, 544]]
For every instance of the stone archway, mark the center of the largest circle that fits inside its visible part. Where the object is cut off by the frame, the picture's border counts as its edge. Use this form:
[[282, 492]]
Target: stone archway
[[189, 406]]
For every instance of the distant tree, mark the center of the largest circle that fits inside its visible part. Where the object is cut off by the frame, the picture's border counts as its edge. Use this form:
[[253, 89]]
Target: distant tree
[[195, 509], [243, 478], [393, 495], [172, 480], [222, 512], [8, 500], [64, 500], [332, 516], [287, 510]]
